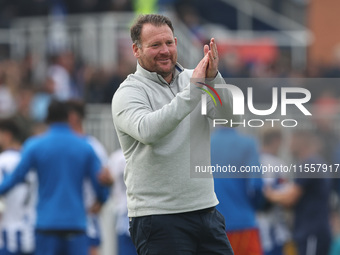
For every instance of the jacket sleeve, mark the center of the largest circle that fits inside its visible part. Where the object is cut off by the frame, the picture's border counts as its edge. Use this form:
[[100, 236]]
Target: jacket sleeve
[[133, 115]]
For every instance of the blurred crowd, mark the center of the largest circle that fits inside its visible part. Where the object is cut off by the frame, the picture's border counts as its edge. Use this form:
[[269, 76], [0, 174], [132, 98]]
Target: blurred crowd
[[26, 98], [67, 77], [10, 10], [279, 213], [26, 91]]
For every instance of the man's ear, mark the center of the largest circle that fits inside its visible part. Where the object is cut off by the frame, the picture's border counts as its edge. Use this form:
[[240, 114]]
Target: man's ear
[[175, 38], [135, 50]]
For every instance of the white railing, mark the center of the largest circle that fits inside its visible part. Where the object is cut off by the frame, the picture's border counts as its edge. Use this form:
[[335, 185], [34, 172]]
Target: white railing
[[95, 38], [289, 32]]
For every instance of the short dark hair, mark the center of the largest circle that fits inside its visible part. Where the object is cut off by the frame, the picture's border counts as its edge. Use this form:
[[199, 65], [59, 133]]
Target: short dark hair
[[11, 126], [77, 106], [154, 19], [57, 112]]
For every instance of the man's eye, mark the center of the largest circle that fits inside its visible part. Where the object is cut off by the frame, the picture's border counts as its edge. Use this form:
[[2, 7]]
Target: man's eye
[[154, 45], [169, 43]]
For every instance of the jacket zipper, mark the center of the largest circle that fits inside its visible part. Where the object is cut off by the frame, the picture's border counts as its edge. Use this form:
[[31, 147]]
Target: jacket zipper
[[171, 90]]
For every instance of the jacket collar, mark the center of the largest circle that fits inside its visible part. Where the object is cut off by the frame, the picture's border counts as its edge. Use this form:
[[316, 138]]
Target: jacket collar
[[156, 77]]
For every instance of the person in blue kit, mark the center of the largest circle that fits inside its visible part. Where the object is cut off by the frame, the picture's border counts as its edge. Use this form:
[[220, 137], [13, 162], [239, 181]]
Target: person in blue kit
[[62, 160], [238, 196], [308, 195], [76, 116]]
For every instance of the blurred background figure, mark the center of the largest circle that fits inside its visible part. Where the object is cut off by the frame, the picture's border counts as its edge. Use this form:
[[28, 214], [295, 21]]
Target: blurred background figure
[[58, 156], [76, 116], [324, 115], [7, 100], [124, 242], [18, 216], [271, 218], [23, 114], [62, 74], [239, 196], [309, 198]]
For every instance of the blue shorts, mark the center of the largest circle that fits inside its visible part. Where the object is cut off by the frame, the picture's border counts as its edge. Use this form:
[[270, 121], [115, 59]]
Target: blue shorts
[[193, 233], [56, 244]]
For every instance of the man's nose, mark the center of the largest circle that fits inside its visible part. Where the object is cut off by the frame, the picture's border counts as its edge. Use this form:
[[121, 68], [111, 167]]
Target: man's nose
[[164, 49]]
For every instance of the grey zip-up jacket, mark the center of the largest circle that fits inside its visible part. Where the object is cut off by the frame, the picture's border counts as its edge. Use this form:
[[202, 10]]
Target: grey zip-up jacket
[[163, 136]]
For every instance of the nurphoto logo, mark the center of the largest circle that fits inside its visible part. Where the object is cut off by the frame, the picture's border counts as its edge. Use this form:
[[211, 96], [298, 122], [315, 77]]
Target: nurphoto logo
[[239, 103], [209, 93]]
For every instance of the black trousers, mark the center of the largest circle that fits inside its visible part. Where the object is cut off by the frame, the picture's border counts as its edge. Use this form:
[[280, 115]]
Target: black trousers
[[199, 232], [317, 244]]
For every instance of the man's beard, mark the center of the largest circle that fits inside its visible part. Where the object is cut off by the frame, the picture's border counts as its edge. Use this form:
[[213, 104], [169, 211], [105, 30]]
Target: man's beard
[[166, 74], [158, 69]]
